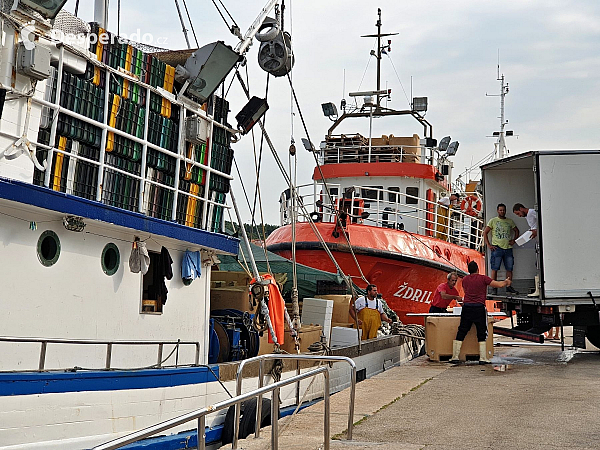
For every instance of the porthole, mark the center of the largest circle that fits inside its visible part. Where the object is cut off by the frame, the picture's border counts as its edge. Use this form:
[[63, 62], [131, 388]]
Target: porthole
[[48, 248], [110, 259]]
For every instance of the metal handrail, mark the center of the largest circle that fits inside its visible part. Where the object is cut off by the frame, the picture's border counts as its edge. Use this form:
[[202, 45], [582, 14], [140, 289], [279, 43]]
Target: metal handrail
[[261, 359], [200, 414], [44, 344]]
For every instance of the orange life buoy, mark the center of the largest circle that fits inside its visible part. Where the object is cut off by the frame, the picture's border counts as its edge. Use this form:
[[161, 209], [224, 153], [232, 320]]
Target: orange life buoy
[[471, 205]]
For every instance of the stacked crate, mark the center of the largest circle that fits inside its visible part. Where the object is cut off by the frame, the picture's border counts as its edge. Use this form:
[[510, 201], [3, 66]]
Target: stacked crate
[[192, 180]]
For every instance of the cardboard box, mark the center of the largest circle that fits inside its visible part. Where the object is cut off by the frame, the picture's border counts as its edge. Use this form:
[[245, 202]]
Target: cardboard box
[[230, 297], [226, 278], [440, 331], [341, 305], [306, 336]]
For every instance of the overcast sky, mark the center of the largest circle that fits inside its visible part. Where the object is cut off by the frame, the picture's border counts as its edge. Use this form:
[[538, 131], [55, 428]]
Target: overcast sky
[[549, 54]]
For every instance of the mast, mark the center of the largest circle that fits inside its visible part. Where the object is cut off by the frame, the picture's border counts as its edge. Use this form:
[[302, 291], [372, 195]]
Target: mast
[[101, 13], [500, 150], [378, 24]]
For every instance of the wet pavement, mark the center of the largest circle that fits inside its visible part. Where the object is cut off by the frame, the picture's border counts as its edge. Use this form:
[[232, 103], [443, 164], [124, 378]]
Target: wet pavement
[[532, 397]]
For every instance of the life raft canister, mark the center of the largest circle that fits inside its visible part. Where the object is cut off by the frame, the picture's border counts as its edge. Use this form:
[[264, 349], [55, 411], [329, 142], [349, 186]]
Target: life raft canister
[[471, 205]]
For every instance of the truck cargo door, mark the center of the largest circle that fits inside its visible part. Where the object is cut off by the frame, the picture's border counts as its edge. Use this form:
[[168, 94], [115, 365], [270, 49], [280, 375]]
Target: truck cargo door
[[568, 222]]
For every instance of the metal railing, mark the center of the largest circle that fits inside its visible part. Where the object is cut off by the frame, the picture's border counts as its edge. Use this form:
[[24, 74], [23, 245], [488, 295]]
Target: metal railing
[[186, 105], [316, 358], [422, 215], [200, 414], [334, 154], [109, 345]]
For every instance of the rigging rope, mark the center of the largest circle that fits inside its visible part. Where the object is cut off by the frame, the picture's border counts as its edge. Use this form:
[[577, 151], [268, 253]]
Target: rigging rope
[[191, 24], [287, 180], [330, 198], [398, 76]]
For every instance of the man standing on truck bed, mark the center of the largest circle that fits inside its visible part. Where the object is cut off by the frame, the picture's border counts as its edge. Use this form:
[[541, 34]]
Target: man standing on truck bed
[[474, 312], [501, 244], [530, 215]]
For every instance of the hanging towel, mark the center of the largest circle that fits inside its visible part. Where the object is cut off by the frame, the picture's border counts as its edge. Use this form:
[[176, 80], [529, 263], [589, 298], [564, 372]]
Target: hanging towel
[[276, 309], [190, 266], [139, 260], [164, 271]]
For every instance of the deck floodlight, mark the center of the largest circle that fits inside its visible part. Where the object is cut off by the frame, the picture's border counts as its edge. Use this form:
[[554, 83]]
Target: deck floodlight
[[419, 104], [329, 109], [452, 148], [308, 145], [496, 133], [510, 133], [251, 113], [444, 144], [207, 68], [47, 8]]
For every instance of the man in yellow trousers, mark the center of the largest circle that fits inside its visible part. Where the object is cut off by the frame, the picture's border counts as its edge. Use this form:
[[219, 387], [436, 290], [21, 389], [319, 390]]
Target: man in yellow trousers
[[368, 311]]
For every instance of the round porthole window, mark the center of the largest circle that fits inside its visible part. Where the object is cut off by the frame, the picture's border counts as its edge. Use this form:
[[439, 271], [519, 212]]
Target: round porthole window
[[110, 259], [48, 248]]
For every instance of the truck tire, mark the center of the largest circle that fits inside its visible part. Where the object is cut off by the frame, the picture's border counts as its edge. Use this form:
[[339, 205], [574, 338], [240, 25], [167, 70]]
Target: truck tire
[[593, 335]]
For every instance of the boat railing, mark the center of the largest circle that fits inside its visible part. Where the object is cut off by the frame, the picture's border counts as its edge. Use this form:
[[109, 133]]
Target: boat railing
[[109, 348], [200, 414], [380, 153], [209, 198], [394, 209], [314, 358]]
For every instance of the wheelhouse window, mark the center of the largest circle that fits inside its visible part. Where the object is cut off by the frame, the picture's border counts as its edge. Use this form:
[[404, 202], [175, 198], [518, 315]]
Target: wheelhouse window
[[371, 194], [393, 198], [412, 195]]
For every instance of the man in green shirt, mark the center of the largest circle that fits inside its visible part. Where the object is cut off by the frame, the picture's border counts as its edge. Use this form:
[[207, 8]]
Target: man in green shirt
[[501, 243]]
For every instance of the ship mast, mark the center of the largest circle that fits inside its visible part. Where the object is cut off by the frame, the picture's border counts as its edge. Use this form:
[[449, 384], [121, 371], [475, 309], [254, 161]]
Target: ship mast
[[101, 13], [500, 150]]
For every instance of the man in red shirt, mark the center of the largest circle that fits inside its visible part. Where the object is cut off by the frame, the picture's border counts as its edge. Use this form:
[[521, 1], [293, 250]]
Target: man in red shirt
[[444, 294], [474, 312]]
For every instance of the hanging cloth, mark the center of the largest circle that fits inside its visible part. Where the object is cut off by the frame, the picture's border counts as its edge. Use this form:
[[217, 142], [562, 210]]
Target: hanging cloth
[[164, 271], [139, 260], [190, 266], [276, 309]]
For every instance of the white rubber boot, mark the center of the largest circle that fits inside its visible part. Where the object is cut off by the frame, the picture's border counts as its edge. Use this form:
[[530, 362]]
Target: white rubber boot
[[537, 288], [456, 345], [483, 353]]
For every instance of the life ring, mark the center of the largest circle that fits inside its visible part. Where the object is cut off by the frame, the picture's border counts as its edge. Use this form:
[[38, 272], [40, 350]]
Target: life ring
[[471, 205]]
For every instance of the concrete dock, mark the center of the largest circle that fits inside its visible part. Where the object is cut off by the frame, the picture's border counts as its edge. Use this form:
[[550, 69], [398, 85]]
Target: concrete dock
[[543, 399]]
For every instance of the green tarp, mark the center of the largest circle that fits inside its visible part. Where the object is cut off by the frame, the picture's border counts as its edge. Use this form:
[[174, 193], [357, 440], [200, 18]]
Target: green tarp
[[307, 276]]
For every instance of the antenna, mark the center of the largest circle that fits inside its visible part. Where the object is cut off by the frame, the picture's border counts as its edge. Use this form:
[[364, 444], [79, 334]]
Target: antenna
[[501, 151]]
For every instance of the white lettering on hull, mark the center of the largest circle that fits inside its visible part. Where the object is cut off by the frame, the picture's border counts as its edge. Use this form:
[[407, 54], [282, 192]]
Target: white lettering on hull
[[414, 294]]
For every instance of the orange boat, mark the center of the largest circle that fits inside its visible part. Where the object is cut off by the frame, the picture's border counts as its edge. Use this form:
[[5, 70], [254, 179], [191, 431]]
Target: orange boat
[[375, 203]]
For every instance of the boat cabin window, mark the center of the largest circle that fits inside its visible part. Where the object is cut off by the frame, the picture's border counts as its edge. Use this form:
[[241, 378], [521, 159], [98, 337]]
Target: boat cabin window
[[333, 191], [393, 198], [371, 194], [413, 192], [152, 286]]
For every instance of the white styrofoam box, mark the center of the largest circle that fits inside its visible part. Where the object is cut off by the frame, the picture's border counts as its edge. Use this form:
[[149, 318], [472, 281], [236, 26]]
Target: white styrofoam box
[[317, 309], [342, 336]]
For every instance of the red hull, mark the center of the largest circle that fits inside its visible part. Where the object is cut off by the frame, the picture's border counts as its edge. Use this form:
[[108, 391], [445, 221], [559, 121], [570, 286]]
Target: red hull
[[406, 268]]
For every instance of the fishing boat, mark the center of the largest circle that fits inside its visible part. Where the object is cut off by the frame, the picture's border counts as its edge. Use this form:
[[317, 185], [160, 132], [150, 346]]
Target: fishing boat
[[115, 161], [376, 205]]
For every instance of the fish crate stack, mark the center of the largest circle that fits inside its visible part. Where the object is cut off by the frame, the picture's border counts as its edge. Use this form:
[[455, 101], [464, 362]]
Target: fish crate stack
[[318, 311], [347, 146], [134, 178]]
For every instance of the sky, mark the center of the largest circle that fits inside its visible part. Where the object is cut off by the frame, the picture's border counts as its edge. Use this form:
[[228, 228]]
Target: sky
[[549, 52]]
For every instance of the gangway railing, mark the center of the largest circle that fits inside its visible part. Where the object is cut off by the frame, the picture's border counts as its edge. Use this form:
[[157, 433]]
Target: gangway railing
[[200, 414], [109, 346], [315, 358]]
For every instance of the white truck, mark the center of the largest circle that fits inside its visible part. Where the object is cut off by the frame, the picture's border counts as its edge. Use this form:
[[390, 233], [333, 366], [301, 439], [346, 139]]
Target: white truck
[[563, 187]]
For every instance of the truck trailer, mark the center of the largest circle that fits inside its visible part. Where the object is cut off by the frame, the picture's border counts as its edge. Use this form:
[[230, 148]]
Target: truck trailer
[[563, 188]]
